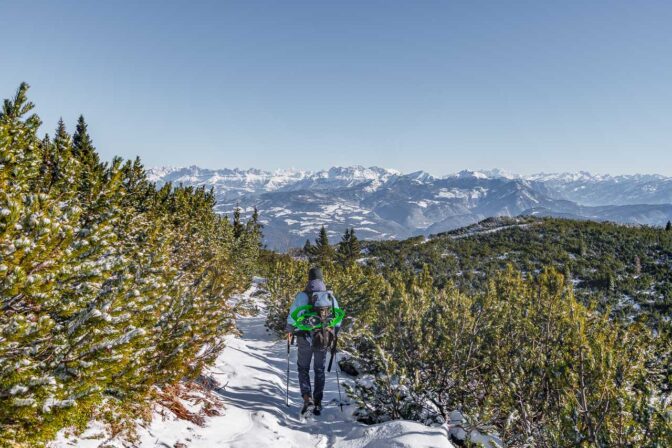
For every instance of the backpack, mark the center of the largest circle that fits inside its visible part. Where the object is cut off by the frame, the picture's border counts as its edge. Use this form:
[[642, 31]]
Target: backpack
[[323, 304]]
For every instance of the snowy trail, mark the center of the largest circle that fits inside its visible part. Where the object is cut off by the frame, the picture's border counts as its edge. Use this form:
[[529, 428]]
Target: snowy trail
[[252, 371], [254, 366]]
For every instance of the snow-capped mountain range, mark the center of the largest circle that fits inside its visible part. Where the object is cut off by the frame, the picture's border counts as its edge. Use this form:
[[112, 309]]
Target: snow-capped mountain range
[[382, 203]]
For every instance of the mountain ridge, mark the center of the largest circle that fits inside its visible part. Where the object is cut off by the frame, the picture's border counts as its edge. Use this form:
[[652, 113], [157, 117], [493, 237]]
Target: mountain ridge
[[383, 203], [159, 172]]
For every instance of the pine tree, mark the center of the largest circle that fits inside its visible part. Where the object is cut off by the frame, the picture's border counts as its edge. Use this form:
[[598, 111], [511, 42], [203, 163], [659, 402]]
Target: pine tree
[[84, 151], [238, 226], [138, 190], [253, 227], [668, 227], [349, 248], [82, 145], [324, 253], [19, 159], [65, 168], [46, 179], [255, 218], [309, 250], [38, 230], [567, 274]]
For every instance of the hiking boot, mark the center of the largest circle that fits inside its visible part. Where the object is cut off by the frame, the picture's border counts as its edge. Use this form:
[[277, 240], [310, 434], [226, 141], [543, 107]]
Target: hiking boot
[[307, 403], [317, 410]]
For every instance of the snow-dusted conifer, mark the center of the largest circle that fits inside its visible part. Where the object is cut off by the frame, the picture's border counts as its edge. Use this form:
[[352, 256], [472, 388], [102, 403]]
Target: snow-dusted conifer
[[107, 285]]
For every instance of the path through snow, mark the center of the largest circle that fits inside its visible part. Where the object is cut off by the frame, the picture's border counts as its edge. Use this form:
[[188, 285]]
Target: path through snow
[[252, 369]]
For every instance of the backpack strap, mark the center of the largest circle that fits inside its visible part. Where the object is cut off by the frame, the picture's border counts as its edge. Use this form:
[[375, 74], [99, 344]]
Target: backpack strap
[[311, 299]]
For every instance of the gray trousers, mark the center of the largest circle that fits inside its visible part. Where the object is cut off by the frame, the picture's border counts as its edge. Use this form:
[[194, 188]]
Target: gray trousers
[[319, 358]]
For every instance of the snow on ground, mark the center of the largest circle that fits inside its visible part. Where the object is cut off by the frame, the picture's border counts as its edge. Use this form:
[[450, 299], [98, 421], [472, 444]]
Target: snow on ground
[[252, 372], [479, 231]]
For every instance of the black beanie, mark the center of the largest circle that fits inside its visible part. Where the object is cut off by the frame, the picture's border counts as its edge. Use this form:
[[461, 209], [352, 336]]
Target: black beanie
[[315, 274]]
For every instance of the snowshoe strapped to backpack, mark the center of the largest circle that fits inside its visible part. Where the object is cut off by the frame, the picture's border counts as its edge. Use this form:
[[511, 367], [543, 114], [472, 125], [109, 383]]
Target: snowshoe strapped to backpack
[[318, 319], [323, 337]]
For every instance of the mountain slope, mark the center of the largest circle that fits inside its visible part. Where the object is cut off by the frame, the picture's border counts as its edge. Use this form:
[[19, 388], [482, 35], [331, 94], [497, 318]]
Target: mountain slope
[[587, 189], [623, 268], [385, 204]]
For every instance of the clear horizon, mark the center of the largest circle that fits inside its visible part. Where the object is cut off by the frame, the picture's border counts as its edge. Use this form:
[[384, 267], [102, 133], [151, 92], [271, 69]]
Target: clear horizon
[[525, 87]]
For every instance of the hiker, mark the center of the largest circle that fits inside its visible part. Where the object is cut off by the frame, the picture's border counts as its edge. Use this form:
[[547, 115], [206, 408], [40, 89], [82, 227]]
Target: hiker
[[313, 344]]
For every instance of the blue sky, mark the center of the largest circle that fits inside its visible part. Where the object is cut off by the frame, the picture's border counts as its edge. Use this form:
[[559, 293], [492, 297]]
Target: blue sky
[[525, 86]]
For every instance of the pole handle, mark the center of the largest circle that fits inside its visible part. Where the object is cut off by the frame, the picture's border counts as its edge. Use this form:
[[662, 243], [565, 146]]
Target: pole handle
[[331, 360], [333, 353]]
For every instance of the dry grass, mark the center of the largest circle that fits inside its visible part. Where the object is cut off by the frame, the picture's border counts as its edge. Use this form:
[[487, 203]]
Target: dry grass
[[192, 401]]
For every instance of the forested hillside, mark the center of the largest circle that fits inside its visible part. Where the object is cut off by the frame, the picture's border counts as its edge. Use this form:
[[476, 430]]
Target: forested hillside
[[625, 268], [108, 286]]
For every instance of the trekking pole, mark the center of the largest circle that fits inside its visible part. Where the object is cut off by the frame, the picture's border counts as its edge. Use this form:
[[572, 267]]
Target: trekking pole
[[333, 350], [338, 384], [287, 394], [333, 355]]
